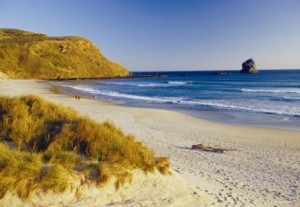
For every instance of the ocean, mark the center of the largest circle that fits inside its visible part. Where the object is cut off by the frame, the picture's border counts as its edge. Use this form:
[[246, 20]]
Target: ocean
[[269, 98]]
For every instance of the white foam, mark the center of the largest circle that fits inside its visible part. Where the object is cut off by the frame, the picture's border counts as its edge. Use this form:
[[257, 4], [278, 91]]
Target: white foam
[[291, 98], [166, 84], [249, 106], [180, 82], [126, 96], [144, 98], [83, 88], [136, 84], [269, 90]]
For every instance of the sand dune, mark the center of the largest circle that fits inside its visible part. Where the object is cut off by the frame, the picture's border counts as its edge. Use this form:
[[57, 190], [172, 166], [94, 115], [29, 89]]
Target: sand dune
[[145, 190], [263, 171]]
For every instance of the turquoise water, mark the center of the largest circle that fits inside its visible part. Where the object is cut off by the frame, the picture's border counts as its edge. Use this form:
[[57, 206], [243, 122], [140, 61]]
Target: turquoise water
[[269, 98]]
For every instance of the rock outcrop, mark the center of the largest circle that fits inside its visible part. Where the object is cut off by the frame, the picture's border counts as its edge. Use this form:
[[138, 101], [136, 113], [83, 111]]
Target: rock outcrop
[[249, 66], [28, 55]]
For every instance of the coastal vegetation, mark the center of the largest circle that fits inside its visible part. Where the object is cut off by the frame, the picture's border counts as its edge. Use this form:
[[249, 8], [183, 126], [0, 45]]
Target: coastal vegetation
[[47, 147], [28, 55]]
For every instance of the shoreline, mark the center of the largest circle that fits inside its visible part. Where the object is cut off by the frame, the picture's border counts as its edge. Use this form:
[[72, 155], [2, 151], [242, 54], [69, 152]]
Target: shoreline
[[220, 117], [263, 171]]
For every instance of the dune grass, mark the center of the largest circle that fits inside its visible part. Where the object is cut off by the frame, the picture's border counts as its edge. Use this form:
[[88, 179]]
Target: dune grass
[[44, 146], [33, 55]]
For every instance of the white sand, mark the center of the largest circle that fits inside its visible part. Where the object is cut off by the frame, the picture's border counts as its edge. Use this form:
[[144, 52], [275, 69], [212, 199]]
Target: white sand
[[263, 171], [144, 190]]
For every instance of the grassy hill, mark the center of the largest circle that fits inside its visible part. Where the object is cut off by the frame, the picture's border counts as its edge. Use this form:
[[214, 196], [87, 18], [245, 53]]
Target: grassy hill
[[29, 55], [45, 147]]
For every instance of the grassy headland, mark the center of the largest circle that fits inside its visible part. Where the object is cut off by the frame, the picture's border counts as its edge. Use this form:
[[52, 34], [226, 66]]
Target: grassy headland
[[28, 55], [44, 146]]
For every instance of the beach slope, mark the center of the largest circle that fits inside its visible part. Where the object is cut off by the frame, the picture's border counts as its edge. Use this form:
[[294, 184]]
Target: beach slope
[[262, 168]]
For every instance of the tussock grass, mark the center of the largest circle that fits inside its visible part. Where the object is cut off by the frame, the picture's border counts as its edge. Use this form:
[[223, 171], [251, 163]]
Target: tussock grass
[[18, 171], [33, 55], [47, 147], [163, 165]]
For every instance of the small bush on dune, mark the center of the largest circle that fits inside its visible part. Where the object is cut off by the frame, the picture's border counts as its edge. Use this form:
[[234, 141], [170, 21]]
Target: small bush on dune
[[46, 146], [163, 165]]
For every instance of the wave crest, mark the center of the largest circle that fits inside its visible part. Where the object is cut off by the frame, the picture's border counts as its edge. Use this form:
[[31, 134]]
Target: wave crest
[[221, 104], [266, 90]]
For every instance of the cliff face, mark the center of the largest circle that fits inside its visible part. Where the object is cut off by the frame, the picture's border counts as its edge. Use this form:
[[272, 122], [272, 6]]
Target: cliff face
[[32, 55]]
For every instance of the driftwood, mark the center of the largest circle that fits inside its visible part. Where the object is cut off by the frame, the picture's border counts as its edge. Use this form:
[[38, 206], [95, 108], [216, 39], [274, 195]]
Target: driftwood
[[206, 148]]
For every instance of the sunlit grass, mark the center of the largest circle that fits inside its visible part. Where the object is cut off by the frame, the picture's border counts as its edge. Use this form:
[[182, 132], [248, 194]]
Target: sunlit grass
[[32, 55], [47, 147]]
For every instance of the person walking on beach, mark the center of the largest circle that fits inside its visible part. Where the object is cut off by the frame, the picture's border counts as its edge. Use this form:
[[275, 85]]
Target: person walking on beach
[[77, 98]]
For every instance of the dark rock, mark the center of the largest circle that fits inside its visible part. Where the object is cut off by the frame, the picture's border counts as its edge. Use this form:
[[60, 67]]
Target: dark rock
[[64, 48], [249, 66], [153, 75]]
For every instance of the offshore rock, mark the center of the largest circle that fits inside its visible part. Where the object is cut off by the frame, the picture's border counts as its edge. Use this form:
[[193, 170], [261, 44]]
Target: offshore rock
[[249, 66]]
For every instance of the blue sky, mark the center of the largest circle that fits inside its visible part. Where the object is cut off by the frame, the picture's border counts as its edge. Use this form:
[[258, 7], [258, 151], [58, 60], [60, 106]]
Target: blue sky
[[171, 34]]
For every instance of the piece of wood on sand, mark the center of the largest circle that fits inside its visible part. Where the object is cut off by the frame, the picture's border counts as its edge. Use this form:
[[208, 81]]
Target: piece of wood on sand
[[207, 148]]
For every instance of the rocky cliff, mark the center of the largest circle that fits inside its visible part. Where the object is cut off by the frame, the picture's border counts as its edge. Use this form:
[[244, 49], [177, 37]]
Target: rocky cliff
[[249, 66], [32, 55]]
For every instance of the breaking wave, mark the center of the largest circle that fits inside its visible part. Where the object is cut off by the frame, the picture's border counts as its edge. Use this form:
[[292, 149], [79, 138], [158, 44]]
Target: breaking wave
[[282, 90], [258, 107]]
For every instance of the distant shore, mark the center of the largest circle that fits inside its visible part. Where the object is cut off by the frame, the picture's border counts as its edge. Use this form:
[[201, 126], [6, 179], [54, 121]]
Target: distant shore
[[261, 171]]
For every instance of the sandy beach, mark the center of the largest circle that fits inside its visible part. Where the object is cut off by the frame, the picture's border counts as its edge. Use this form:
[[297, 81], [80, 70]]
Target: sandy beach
[[261, 170]]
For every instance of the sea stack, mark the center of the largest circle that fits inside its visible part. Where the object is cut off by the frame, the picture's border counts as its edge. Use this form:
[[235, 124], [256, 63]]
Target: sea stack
[[249, 66]]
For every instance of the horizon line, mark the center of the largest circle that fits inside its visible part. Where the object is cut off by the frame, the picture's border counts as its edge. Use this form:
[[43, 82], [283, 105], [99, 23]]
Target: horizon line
[[208, 70]]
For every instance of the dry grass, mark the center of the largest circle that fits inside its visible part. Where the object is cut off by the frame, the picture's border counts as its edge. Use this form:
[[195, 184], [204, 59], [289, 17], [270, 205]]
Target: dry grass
[[32, 55], [18, 171], [44, 146], [163, 165]]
